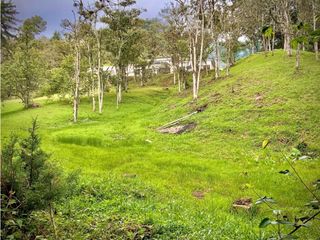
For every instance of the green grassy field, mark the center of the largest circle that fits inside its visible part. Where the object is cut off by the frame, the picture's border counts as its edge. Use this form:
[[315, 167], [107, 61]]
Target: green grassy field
[[136, 182]]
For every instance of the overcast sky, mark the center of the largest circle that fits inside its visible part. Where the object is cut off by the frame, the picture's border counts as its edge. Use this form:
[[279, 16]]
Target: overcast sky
[[53, 11]]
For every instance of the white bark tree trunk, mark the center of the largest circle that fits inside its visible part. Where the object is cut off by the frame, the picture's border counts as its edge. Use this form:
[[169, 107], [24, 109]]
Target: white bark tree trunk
[[179, 81], [201, 50], [92, 79], [194, 66], [298, 56], [287, 31], [100, 84], [77, 82], [217, 61]]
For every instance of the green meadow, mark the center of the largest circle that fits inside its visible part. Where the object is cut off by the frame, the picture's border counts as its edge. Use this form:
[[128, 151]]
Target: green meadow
[[136, 183]]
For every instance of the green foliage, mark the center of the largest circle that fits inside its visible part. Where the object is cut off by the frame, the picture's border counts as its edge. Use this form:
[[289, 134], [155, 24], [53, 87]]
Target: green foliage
[[122, 33], [302, 32], [21, 75], [31, 27], [24, 69], [8, 21], [56, 36], [282, 219], [267, 31], [61, 78], [28, 182]]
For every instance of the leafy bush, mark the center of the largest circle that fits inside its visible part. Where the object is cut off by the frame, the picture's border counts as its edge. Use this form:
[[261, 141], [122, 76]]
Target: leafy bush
[[28, 182]]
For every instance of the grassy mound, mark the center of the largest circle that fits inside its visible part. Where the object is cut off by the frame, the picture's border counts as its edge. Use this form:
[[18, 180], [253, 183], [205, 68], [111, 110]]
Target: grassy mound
[[164, 186]]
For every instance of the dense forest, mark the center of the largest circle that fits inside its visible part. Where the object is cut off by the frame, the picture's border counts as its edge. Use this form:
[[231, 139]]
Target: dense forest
[[202, 123]]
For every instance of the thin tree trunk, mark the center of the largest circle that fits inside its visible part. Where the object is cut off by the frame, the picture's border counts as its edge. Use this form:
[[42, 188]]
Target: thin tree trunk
[[179, 81], [201, 49], [126, 83], [316, 49], [289, 50], [118, 87], [120, 92], [194, 67], [92, 80], [217, 61], [142, 76], [287, 29], [228, 60], [298, 57], [77, 84], [100, 88], [273, 41]]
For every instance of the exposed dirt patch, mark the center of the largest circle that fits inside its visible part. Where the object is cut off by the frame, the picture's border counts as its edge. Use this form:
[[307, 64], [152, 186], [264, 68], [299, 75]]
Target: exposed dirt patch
[[198, 194], [284, 140], [258, 100], [245, 203], [178, 129], [201, 108], [34, 105], [258, 97]]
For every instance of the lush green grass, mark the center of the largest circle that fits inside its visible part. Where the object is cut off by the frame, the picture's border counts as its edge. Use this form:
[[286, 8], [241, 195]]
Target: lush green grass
[[134, 179]]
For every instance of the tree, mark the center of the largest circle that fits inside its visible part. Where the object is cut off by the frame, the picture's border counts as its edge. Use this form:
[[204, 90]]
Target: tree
[[56, 36], [75, 37], [301, 37], [23, 71], [315, 19], [90, 15], [122, 20], [60, 77], [193, 18], [308, 13], [176, 43], [8, 21]]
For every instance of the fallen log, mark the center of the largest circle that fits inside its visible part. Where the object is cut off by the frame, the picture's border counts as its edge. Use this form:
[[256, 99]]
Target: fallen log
[[170, 124], [176, 121]]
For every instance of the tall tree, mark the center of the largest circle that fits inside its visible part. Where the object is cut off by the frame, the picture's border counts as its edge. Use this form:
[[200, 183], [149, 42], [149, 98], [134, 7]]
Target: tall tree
[[91, 16], [24, 70], [193, 16], [8, 21], [74, 36], [176, 43], [122, 20]]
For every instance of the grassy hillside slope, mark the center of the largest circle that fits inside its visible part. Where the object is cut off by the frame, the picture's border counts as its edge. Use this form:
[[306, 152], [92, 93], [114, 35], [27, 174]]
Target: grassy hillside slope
[[138, 182]]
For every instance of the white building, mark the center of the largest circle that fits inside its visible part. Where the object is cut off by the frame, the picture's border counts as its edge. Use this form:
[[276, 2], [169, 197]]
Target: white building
[[159, 64]]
